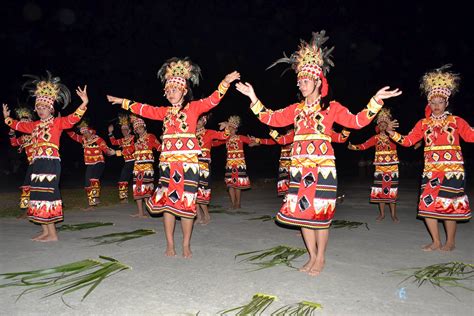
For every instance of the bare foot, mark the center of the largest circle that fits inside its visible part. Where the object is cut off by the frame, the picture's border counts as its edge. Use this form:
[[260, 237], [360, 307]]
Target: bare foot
[[40, 236], [395, 219], [238, 206], [187, 254], [380, 218], [307, 265], [123, 201], [431, 247], [448, 247], [170, 252], [206, 220], [89, 208], [317, 267], [48, 238], [135, 215]]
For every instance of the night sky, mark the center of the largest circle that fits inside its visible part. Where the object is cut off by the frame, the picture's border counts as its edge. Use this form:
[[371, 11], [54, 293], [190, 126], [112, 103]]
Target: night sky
[[116, 47]]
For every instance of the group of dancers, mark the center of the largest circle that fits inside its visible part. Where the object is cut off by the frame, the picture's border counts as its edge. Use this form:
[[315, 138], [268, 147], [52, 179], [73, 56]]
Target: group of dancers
[[307, 173]]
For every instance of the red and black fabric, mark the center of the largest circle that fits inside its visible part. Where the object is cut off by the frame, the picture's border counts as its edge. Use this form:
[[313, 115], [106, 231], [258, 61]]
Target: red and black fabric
[[92, 182], [143, 172], [45, 200]]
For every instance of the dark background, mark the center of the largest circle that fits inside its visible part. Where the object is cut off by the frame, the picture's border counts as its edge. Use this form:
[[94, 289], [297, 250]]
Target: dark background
[[116, 47]]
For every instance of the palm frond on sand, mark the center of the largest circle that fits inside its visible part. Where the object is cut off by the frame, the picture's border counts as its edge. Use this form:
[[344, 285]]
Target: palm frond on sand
[[74, 227], [66, 278], [338, 223], [120, 237], [304, 308], [267, 258], [259, 303]]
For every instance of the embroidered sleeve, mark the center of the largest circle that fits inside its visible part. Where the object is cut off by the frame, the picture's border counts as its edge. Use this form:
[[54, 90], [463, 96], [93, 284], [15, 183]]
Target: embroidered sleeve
[[145, 110], [344, 117], [415, 135], [74, 136], [278, 118], [465, 130], [369, 143]]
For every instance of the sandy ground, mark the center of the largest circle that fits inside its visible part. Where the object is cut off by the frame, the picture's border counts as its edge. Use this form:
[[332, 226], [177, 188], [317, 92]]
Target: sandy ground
[[354, 282]]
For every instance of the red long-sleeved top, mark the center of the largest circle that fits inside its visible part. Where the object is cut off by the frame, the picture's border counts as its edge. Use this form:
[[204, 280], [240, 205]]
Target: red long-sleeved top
[[93, 147], [45, 134], [385, 149], [127, 144], [25, 142]]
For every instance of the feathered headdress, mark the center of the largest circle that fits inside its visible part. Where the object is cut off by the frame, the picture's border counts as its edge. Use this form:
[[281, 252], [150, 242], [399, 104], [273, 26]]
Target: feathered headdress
[[176, 73], [47, 90], [384, 115], [311, 60], [137, 121], [23, 112], [234, 121]]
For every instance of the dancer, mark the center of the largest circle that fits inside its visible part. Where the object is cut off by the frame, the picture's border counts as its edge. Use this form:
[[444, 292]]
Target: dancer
[[236, 178], [94, 147], [179, 167], [442, 187], [311, 199], [45, 206], [385, 188], [205, 138], [143, 172], [127, 148], [24, 143]]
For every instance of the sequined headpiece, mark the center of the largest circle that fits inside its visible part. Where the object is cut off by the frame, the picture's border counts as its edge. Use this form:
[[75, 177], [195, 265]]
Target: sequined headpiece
[[176, 73], [84, 126], [234, 121], [311, 60], [124, 121], [24, 113], [384, 115], [440, 83], [47, 90], [137, 121]]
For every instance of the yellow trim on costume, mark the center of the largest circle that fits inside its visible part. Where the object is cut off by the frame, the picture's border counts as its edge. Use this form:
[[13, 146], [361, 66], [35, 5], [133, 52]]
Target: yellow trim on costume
[[446, 167], [386, 152], [126, 104], [396, 137], [257, 107], [222, 89], [312, 162], [312, 137], [45, 144], [274, 134], [79, 112], [447, 147], [190, 135], [9, 121], [374, 106]]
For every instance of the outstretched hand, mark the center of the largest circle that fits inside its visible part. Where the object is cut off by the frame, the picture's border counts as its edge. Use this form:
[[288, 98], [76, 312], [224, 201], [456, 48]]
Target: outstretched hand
[[110, 152], [111, 129], [6, 110], [232, 77], [223, 125], [114, 100], [246, 89], [391, 126], [82, 93], [385, 93]]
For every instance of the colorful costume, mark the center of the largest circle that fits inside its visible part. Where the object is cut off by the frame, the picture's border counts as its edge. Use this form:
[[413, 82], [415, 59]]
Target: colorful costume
[[45, 200], [442, 188], [285, 155], [24, 143], [143, 171], [179, 166], [385, 188], [312, 193], [94, 148], [127, 149], [205, 139]]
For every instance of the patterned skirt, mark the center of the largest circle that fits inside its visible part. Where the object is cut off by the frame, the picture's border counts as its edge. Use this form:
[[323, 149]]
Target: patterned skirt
[[25, 189], [236, 175], [443, 196], [179, 177], [283, 177], [143, 180], [311, 198], [204, 188], [385, 188], [45, 199]]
